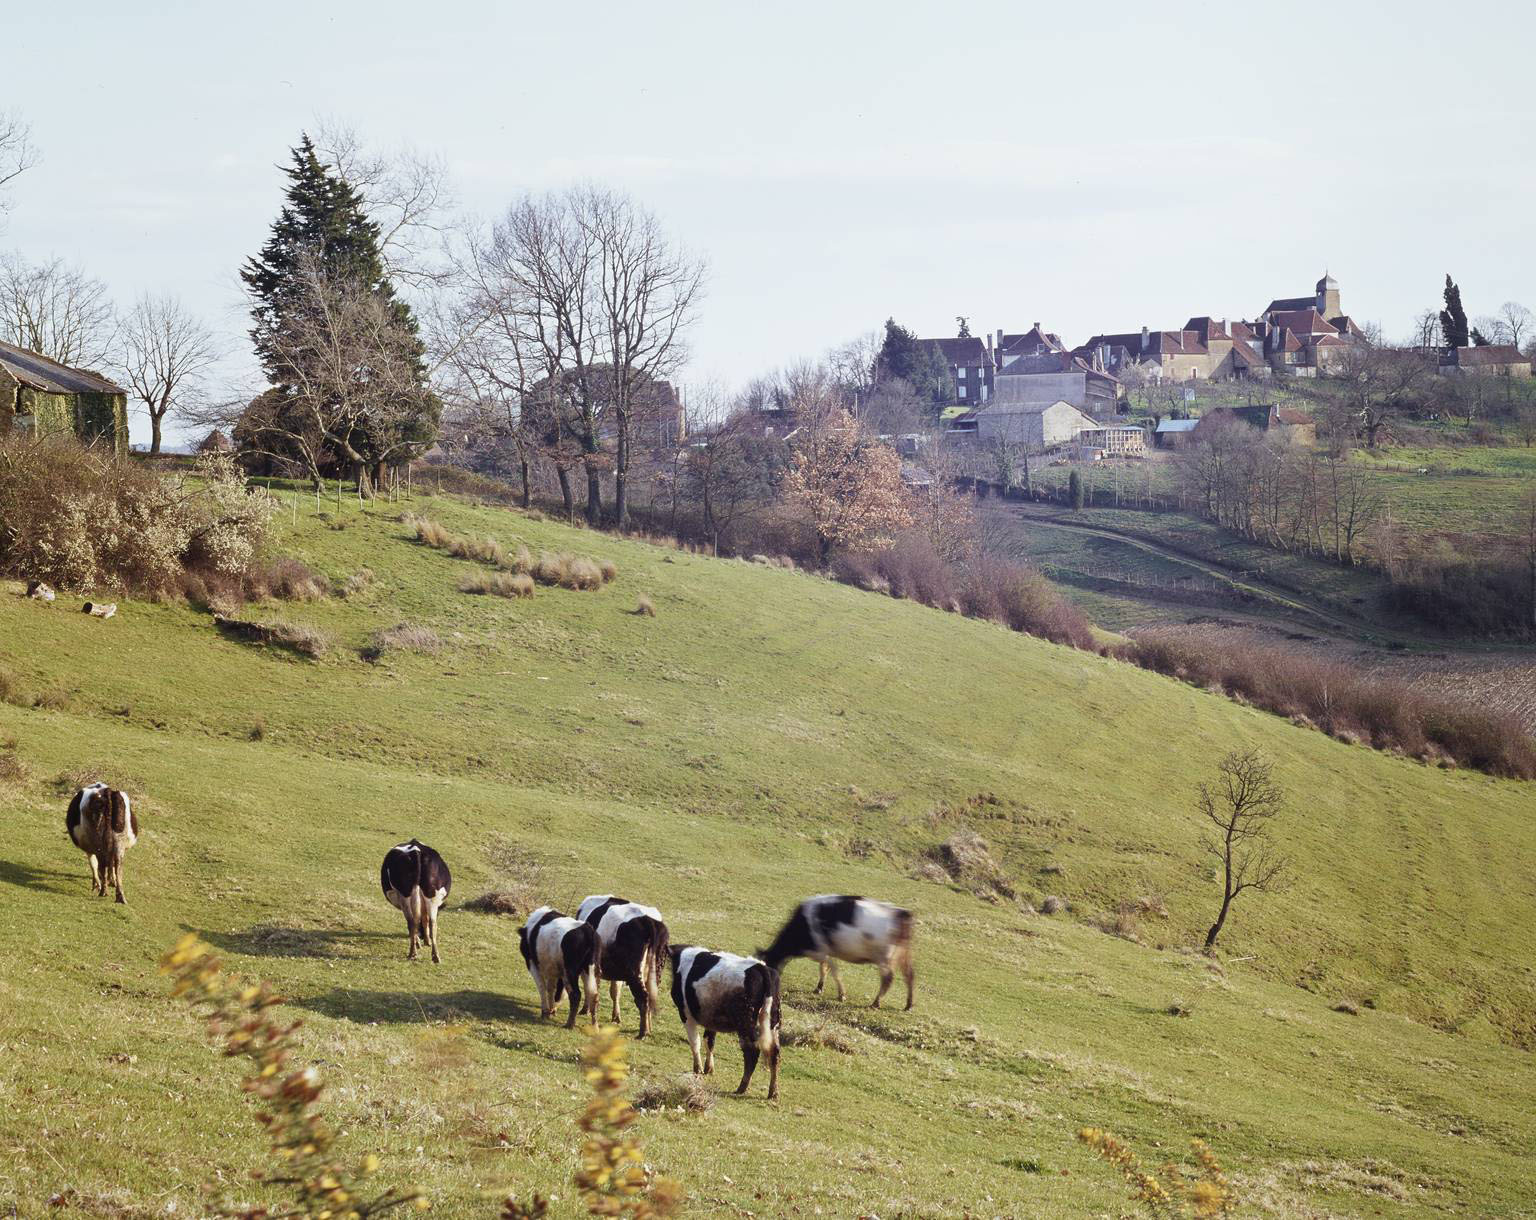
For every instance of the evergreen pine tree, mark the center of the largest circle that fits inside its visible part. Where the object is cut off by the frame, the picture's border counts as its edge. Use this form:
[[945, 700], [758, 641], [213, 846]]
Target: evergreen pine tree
[[899, 354], [1453, 318], [323, 222], [1479, 339]]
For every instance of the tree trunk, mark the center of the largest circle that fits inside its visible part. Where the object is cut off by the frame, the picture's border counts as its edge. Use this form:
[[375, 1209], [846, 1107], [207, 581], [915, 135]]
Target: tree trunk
[[594, 497], [621, 479], [566, 493], [527, 496], [154, 434], [1210, 937]]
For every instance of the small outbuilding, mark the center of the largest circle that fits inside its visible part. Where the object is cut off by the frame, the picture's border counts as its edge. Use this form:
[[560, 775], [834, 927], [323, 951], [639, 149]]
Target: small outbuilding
[[1171, 433], [1039, 426], [41, 397]]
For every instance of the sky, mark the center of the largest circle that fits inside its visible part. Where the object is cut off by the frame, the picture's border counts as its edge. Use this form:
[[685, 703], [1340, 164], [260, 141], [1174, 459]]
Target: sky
[[1093, 169]]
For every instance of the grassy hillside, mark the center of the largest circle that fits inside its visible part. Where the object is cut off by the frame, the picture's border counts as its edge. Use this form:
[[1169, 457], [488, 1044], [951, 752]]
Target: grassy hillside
[[768, 735]]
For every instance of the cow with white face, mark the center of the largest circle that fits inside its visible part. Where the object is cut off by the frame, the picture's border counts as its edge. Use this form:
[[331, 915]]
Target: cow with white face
[[416, 881], [102, 824], [632, 943], [723, 993], [834, 928], [560, 954]]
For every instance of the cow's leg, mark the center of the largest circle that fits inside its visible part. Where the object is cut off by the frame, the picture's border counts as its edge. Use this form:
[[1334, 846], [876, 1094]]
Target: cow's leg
[[749, 1054], [837, 979], [709, 1052], [410, 926], [96, 884], [613, 990], [909, 974], [821, 976], [773, 1067], [592, 996], [432, 929], [117, 880], [573, 985], [693, 1043], [637, 989], [886, 976]]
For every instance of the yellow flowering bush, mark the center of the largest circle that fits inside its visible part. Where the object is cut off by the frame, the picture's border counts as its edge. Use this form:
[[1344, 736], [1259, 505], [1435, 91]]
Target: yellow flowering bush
[[239, 1017], [612, 1177], [1169, 1192]]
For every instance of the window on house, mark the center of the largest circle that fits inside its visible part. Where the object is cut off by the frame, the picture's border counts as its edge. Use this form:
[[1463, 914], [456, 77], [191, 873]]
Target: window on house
[[962, 391], [960, 373]]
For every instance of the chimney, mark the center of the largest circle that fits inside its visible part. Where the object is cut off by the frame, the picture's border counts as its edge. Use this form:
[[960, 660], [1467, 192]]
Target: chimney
[[1036, 325], [1144, 337]]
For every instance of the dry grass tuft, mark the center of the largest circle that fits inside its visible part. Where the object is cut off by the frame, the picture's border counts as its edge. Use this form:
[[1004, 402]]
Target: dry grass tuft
[[498, 584], [685, 1092], [609, 570], [645, 607], [402, 637], [1052, 905], [823, 1037], [13, 768], [520, 884], [966, 859], [357, 582], [296, 637]]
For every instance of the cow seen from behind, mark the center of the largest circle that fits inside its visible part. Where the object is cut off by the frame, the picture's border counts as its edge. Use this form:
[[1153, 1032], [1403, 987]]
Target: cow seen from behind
[[102, 824], [560, 953], [832, 928], [632, 945], [727, 994], [416, 880]]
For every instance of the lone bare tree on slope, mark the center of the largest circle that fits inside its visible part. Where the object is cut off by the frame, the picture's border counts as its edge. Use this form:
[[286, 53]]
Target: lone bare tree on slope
[[1240, 806]]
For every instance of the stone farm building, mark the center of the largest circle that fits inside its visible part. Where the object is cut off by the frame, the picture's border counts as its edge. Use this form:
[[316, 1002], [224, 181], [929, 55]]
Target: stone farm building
[[1488, 360], [42, 397], [1285, 422]]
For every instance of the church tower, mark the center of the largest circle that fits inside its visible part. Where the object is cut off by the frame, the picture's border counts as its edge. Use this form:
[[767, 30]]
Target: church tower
[[1328, 297]]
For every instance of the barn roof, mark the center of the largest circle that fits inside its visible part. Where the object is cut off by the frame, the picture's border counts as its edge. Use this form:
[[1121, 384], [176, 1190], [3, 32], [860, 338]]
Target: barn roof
[[1176, 425], [38, 372]]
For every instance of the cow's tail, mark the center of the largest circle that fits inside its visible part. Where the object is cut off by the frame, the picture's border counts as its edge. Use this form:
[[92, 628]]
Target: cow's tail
[[765, 1004], [659, 950], [901, 939], [119, 812]]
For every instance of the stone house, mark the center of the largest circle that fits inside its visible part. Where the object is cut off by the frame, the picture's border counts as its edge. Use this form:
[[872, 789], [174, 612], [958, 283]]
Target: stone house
[[1490, 360], [42, 397], [970, 368], [1042, 378], [1038, 426]]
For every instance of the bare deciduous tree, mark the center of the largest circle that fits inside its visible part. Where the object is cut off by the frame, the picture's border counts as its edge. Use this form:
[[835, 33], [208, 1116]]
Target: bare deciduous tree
[[166, 352], [405, 193], [17, 154], [1517, 321], [588, 281], [1240, 806], [57, 310], [729, 476]]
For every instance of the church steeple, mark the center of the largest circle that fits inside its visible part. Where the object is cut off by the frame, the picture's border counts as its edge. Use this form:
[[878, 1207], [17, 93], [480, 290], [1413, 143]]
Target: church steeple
[[1328, 297]]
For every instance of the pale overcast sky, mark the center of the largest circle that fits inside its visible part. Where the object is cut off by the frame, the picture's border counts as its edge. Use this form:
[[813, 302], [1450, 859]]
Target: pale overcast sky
[[1091, 167]]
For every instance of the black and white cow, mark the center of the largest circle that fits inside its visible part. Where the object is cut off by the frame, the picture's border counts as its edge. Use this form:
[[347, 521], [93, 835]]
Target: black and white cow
[[416, 880], [632, 942], [560, 953], [727, 994], [834, 928], [102, 824]]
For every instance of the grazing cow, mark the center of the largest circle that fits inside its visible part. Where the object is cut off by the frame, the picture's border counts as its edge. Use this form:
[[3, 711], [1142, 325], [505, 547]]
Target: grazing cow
[[632, 943], [560, 954], [724, 993], [836, 928], [102, 824], [416, 880]]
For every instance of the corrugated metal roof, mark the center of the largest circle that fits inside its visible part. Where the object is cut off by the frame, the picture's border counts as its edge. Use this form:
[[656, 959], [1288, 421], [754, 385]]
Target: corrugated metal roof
[[51, 377], [1177, 425]]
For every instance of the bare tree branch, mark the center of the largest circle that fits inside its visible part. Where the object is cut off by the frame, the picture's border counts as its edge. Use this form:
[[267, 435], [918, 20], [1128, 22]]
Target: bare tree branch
[[17, 153], [1240, 805], [57, 310]]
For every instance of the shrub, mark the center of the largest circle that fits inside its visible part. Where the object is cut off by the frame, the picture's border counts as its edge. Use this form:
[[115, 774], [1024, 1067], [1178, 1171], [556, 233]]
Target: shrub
[[292, 580], [1168, 1192], [1017, 595], [1343, 702], [608, 570], [498, 584], [83, 518]]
